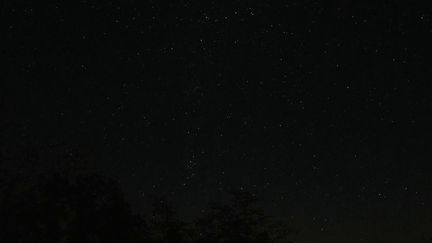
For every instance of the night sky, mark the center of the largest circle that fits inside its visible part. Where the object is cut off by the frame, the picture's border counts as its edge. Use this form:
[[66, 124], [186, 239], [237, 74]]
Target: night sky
[[319, 108]]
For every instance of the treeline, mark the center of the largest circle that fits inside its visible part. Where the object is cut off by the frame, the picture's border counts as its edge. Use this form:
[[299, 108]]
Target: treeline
[[91, 208]]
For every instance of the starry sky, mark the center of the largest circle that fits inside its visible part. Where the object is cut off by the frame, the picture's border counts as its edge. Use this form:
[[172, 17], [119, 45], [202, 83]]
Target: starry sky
[[320, 108]]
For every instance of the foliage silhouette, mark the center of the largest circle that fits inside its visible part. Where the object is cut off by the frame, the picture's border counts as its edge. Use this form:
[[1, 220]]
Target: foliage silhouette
[[58, 209], [65, 203], [91, 208], [238, 221], [165, 225]]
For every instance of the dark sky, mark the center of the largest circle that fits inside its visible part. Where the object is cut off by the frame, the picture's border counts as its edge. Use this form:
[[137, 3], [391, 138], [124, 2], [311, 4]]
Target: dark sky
[[319, 107]]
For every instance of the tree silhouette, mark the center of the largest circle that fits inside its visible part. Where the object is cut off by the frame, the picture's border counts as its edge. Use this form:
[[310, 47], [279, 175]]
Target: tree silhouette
[[62, 202], [239, 221], [88, 208], [165, 225]]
